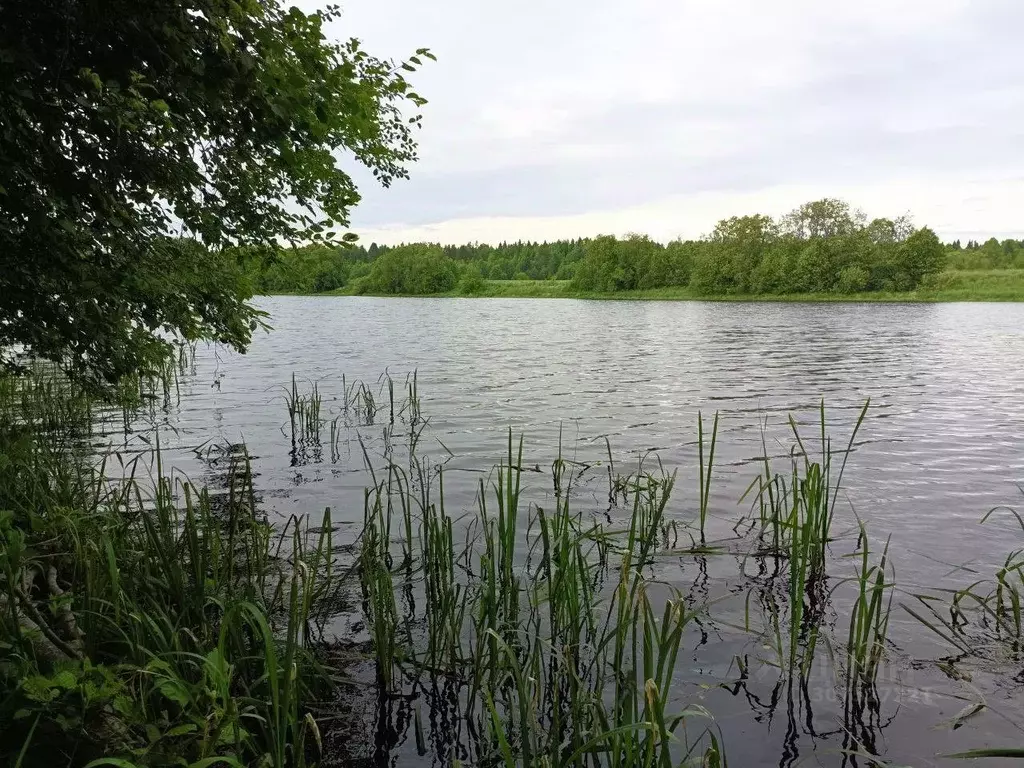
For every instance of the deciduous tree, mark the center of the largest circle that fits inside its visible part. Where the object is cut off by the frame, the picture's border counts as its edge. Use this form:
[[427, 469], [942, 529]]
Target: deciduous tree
[[125, 123]]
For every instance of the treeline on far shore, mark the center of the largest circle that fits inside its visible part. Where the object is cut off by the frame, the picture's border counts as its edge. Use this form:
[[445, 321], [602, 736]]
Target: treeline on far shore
[[820, 247]]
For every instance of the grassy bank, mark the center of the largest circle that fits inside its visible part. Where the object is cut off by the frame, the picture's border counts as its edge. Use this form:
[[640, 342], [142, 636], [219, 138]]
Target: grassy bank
[[145, 620], [952, 285]]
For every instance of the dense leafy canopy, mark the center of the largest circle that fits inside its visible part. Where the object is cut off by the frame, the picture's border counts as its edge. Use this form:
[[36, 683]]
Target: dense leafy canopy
[[412, 269], [323, 267], [992, 254], [124, 125], [821, 247]]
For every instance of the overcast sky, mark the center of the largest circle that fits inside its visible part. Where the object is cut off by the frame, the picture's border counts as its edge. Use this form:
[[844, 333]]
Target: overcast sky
[[565, 118]]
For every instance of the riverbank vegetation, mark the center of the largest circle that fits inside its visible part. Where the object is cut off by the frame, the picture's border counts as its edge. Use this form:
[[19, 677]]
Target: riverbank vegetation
[[821, 249], [948, 285], [146, 620]]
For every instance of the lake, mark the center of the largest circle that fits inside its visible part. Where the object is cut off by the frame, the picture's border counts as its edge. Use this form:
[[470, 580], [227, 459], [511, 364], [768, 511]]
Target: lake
[[941, 445]]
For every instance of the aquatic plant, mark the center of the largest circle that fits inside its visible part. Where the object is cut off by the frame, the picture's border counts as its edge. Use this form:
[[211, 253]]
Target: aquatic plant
[[304, 411], [869, 618], [514, 613], [985, 617], [704, 482], [793, 526], [145, 618]]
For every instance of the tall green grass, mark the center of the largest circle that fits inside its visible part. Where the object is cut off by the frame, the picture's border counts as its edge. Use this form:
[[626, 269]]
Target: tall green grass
[[869, 618], [144, 619], [795, 514], [563, 647], [310, 415], [304, 411], [548, 621], [704, 481], [983, 622]]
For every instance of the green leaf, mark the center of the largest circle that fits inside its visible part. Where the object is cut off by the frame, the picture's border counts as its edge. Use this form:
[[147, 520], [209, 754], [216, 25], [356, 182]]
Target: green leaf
[[175, 691], [123, 705], [181, 730], [230, 732]]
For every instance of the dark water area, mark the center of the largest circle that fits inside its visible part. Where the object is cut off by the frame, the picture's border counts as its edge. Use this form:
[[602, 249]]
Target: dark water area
[[941, 446]]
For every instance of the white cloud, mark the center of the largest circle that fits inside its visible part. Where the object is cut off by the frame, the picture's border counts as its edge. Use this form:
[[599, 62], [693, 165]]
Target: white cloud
[[572, 117]]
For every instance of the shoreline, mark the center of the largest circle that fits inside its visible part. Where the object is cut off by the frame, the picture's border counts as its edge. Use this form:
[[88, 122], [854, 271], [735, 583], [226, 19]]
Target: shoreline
[[545, 289]]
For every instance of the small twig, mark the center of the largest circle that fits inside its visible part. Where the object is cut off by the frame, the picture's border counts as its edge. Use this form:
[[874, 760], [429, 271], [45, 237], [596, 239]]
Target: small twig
[[67, 616], [44, 627]]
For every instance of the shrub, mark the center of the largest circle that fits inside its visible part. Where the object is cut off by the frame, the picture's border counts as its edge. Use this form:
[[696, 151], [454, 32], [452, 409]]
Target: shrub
[[853, 280], [413, 269], [471, 284]]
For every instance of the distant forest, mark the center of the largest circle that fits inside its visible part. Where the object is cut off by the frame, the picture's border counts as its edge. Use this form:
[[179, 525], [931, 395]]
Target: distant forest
[[821, 247]]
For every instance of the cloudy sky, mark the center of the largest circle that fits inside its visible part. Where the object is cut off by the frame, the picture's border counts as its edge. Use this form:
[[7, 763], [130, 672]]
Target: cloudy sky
[[562, 118]]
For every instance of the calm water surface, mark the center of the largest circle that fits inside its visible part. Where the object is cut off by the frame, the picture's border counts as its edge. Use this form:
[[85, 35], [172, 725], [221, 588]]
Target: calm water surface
[[942, 443]]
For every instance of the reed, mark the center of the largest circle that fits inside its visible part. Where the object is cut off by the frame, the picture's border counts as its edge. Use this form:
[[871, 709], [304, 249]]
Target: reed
[[368, 403], [1006, 599], [869, 618], [795, 513], [704, 481], [563, 648], [304, 412], [547, 620], [543, 627], [147, 620], [983, 619]]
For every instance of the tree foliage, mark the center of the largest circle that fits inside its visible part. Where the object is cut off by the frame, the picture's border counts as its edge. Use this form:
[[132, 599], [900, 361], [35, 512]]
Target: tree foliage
[[125, 124], [992, 254], [412, 269], [295, 269], [821, 247]]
